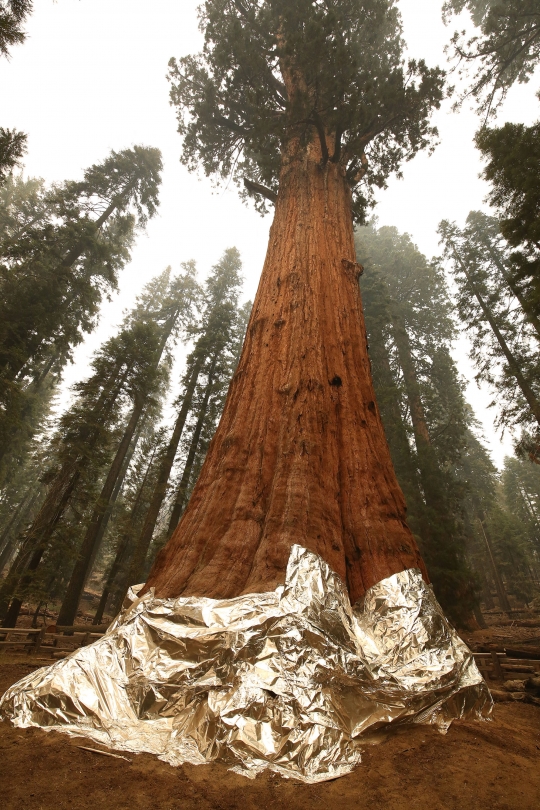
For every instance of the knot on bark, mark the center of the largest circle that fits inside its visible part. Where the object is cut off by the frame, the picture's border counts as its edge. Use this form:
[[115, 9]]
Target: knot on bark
[[352, 268]]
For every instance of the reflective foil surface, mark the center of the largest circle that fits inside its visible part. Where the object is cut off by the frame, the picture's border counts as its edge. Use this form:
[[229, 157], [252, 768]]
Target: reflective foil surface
[[294, 680]]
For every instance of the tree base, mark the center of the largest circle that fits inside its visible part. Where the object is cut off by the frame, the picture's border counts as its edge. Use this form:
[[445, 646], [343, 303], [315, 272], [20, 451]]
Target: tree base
[[294, 680]]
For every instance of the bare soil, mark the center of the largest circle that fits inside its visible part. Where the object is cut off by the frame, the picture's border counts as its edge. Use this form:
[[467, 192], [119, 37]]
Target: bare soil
[[476, 766]]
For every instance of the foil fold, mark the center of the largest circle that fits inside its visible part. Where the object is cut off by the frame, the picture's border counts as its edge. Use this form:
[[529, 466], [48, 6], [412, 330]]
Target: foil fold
[[294, 680]]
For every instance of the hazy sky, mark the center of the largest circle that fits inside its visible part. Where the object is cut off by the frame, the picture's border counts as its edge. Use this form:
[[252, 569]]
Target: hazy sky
[[91, 77]]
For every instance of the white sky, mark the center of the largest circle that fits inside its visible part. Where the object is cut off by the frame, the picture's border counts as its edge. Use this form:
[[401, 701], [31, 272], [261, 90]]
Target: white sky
[[91, 78]]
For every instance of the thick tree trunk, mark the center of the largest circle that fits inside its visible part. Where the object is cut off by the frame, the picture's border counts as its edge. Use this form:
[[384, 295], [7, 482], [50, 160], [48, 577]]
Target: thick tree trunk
[[300, 454], [86, 554]]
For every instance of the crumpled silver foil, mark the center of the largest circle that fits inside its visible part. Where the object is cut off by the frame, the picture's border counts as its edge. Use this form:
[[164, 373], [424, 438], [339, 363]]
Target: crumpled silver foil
[[294, 680]]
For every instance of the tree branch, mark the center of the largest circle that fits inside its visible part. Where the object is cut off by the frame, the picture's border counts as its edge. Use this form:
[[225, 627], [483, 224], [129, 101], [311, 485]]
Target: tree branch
[[256, 188], [221, 121]]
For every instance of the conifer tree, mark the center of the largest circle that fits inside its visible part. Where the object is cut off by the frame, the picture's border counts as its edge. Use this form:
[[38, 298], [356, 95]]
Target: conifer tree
[[141, 482], [300, 102], [12, 16], [54, 269], [504, 346], [210, 359], [209, 404], [512, 155], [12, 143], [12, 150], [87, 431], [175, 311]]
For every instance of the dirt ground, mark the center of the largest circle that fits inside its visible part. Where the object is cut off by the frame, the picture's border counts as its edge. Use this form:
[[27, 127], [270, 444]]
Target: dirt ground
[[476, 766]]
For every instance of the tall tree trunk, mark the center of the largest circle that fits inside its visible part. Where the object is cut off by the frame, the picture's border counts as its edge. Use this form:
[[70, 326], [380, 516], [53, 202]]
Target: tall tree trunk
[[486, 591], [19, 516], [499, 585], [300, 454], [116, 492], [38, 540], [389, 404], [181, 493], [121, 549], [145, 537], [56, 502], [427, 460], [76, 584]]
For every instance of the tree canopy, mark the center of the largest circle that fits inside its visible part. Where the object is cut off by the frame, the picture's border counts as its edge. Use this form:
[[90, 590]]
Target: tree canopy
[[272, 72]]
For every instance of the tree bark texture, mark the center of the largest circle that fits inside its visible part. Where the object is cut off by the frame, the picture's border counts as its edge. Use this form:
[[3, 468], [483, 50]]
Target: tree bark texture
[[300, 454]]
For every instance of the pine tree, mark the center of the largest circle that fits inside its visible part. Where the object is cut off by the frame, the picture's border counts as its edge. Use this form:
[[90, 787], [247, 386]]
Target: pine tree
[[303, 101], [209, 359], [512, 153], [55, 268], [87, 432], [12, 150], [211, 401], [175, 311], [12, 143], [504, 346], [140, 484], [12, 16]]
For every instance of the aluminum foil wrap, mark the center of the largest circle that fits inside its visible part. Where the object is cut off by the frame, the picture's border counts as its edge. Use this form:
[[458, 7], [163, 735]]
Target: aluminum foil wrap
[[295, 680]]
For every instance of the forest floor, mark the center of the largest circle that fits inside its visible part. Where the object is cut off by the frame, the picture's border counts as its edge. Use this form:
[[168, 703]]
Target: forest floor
[[476, 766]]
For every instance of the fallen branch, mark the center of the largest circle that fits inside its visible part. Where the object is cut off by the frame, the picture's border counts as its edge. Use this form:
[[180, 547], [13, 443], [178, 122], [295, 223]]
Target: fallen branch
[[104, 753]]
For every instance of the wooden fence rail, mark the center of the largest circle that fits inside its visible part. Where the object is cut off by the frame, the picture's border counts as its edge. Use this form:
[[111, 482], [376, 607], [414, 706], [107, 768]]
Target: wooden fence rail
[[56, 640]]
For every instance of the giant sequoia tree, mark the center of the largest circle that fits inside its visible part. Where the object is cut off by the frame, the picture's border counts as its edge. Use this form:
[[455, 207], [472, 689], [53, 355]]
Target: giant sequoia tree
[[310, 104]]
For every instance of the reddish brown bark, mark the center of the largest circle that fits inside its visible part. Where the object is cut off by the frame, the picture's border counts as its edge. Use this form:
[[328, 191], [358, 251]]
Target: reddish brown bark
[[300, 454]]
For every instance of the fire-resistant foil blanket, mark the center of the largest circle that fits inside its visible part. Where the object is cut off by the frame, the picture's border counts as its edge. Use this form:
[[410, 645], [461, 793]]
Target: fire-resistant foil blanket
[[295, 680]]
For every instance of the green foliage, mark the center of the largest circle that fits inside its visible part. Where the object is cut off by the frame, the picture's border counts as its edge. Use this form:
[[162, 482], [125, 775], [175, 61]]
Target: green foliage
[[507, 49], [61, 250], [12, 149], [420, 396], [496, 311], [512, 153], [274, 72], [12, 16], [220, 335]]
